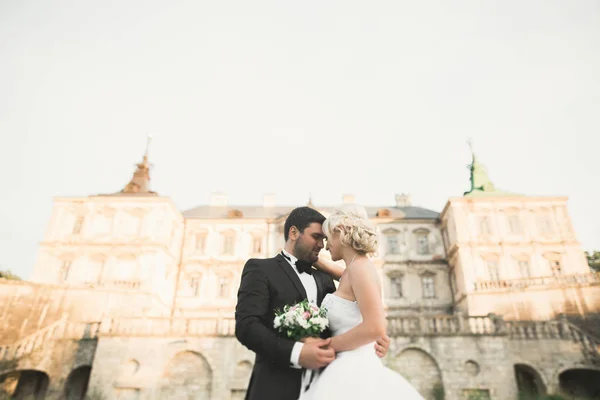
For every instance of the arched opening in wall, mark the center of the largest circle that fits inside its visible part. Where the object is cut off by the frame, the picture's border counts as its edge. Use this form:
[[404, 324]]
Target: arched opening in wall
[[26, 384], [529, 383], [580, 383], [77, 383], [241, 378], [187, 374], [422, 371], [8, 384], [243, 371]]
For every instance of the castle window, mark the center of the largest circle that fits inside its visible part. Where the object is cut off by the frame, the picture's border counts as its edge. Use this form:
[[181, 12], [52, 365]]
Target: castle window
[[392, 244], [524, 268], [428, 284], [391, 238], [223, 287], [514, 225], [65, 268], [194, 283], [78, 225], [484, 225], [201, 242], [555, 267], [257, 245], [492, 269], [396, 287], [228, 244], [422, 243]]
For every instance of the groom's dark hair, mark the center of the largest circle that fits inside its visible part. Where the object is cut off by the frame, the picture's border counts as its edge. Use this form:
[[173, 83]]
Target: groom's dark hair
[[301, 217]]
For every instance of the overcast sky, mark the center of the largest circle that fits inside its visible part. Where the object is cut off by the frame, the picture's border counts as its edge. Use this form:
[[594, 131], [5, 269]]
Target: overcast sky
[[295, 97]]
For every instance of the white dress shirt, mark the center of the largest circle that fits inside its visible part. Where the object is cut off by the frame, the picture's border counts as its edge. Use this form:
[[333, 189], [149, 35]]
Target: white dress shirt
[[308, 281]]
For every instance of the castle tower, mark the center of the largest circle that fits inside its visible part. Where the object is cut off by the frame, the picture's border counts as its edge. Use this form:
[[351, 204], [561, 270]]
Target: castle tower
[[129, 240], [513, 254]]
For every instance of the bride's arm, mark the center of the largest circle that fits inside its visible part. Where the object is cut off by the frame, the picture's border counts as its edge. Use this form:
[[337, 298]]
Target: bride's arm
[[330, 267], [364, 282]]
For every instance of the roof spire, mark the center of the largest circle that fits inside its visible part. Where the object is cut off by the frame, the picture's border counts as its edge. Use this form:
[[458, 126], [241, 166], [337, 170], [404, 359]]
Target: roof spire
[[310, 202], [470, 143], [481, 185], [148, 141], [140, 182]]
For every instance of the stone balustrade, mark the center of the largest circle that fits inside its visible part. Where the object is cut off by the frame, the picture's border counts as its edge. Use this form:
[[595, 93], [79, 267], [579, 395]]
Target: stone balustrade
[[168, 327], [116, 284], [560, 329], [225, 326], [445, 325], [554, 280], [122, 284]]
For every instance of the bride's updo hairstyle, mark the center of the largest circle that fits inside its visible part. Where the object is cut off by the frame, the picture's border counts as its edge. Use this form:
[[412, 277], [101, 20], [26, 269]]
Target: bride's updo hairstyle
[[354, 227]]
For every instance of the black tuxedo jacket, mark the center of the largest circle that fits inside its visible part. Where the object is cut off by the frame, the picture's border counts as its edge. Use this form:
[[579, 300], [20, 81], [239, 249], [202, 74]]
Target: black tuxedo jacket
[[268, 285]]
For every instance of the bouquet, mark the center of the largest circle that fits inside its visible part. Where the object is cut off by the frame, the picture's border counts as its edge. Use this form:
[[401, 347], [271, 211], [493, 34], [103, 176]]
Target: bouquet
[[301, 320]]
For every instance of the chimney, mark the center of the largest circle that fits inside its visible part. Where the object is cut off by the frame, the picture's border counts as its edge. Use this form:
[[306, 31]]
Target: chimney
[[218, 199], [348, 199], [269, 200], [403, 200]]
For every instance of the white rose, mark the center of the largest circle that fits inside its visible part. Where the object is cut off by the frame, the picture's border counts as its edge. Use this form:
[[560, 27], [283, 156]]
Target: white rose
[[298, 319], [321, 322]]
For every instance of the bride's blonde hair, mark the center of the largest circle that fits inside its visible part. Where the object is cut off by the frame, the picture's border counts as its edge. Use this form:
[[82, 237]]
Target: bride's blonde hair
[[356, 231]]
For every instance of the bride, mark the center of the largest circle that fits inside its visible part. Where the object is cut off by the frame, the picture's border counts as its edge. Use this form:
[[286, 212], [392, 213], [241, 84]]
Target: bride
[[356, 316]]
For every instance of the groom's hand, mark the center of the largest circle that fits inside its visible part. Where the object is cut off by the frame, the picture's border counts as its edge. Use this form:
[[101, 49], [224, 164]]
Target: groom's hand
[[309, 339], [316, 354], [382, 346]]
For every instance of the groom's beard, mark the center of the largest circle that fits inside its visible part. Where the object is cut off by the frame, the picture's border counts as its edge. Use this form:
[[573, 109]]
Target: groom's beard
[[303, 253]]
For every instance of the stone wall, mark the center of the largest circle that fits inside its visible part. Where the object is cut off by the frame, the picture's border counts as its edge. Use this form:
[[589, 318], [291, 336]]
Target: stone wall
[[465, 362], [147, 358], [219, 367], [146, 368]]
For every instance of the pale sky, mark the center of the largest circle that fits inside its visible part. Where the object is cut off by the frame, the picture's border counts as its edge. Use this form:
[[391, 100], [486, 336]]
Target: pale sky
[[371, 98]]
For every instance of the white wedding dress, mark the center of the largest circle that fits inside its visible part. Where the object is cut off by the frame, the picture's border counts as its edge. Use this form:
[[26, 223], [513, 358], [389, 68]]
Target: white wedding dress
[[359, 373]]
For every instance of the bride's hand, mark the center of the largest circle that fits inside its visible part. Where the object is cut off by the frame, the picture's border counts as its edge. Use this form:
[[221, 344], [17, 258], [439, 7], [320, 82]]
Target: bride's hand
[[319, 264], [327, 265]]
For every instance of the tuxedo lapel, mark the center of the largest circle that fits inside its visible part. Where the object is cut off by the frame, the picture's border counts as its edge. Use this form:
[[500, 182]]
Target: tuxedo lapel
[[292, 275], [320, 290]]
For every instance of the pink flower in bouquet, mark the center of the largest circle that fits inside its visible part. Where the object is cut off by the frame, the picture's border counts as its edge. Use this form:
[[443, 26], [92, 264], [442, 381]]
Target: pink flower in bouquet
[[306, 315]]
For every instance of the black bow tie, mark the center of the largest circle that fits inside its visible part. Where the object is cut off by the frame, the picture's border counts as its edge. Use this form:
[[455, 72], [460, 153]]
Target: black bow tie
[[304, 266], [301, 266]]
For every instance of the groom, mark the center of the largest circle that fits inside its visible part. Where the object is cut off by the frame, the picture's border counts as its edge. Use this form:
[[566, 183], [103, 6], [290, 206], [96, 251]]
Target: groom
[[270, 284]]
